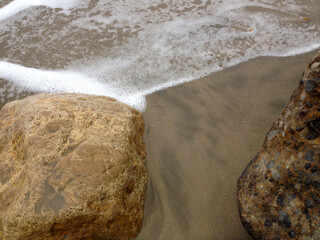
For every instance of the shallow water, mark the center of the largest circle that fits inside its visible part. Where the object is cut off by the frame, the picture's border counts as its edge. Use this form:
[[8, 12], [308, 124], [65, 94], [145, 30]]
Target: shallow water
[[128, 49]]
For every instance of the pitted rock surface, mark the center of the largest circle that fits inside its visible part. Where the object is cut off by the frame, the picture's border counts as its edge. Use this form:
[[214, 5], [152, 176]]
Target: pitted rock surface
[[71, 167], [279, 191]]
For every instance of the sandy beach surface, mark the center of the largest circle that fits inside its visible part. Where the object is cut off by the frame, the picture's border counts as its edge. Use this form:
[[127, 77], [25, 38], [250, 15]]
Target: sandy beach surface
[[200, 136]]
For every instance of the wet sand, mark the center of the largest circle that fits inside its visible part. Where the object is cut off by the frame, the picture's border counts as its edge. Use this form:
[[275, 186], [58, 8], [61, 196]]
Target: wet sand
[[200, 136]]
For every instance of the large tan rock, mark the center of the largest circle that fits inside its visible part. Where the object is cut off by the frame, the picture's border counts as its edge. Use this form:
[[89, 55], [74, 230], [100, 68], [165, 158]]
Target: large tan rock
[[279, 191], [71, 167]]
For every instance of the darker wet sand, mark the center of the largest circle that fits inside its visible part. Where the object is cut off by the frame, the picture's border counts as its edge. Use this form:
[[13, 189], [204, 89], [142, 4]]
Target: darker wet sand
[[200, 136]]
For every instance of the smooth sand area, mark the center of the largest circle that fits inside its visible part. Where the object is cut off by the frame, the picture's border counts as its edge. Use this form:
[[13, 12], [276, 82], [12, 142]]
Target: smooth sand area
[[200, 137]]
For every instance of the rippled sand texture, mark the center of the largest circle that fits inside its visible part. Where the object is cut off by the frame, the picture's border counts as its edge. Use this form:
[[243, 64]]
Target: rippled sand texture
[[200, 136]]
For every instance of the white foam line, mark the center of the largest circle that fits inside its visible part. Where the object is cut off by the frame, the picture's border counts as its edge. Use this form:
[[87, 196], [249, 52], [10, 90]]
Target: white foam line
[[51, 81], [58, 81], [300, 50], [173, 83], [39, 80], [17, 6]]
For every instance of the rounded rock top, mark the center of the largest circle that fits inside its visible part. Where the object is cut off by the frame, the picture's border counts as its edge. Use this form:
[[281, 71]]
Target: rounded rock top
[[72, 166]]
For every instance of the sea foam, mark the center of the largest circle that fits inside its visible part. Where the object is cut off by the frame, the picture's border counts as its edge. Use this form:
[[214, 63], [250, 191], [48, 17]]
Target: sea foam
[[128, 49], [17, 6], [38, 80]]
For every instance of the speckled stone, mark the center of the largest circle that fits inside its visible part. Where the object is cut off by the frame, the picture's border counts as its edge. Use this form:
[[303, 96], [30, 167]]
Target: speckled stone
[[71, 167], [279, 191]]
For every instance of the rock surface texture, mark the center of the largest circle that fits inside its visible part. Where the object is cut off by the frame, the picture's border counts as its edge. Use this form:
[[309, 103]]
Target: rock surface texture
[[71, 167], [279, 191]]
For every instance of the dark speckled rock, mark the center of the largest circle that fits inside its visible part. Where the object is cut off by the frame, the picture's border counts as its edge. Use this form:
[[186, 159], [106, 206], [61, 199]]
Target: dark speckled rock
[[279, 191]]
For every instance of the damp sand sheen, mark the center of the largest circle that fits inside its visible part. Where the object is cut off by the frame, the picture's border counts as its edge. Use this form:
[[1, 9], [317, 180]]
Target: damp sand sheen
[[242, 60]]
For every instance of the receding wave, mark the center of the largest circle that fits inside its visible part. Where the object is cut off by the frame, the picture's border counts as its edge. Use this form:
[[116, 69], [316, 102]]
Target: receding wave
[[128, 49]]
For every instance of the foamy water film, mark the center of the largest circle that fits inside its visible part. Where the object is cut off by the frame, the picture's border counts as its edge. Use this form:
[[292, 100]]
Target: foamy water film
[[128, 49]]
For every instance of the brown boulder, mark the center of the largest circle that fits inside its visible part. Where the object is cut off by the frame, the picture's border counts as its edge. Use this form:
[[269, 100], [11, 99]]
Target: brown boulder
[[71, 167], [279, 191]]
